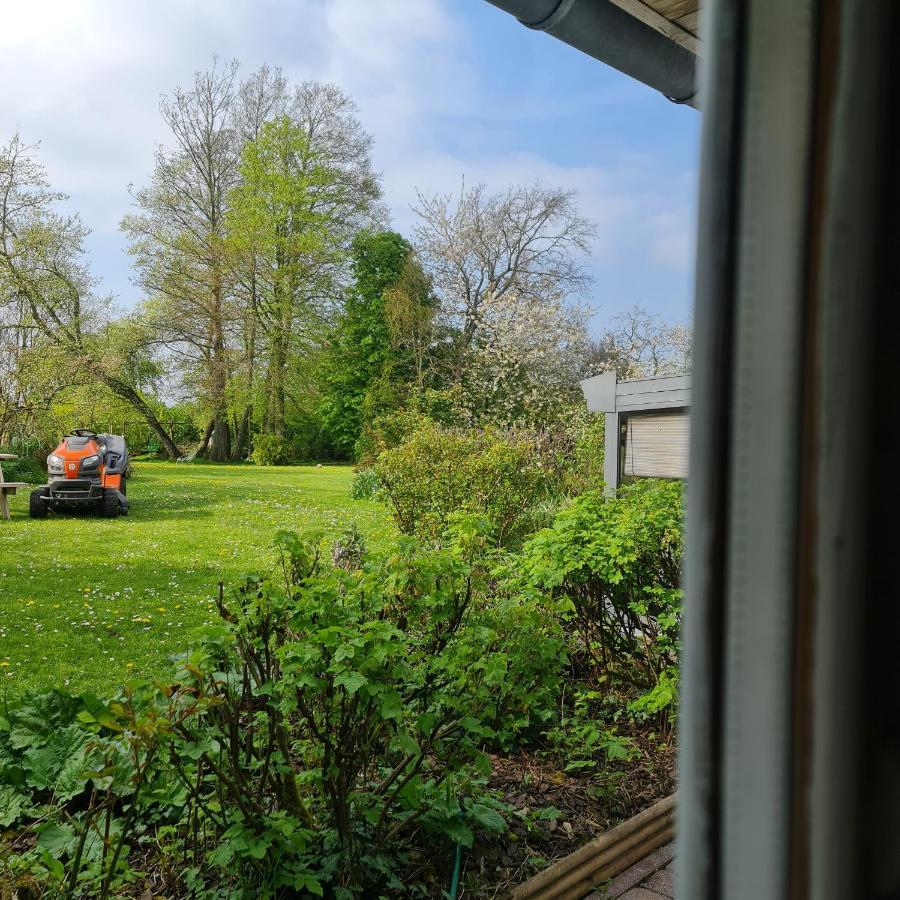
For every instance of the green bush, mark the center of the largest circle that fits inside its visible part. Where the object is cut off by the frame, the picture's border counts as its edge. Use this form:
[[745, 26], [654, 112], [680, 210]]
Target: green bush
[[613, 566], [336, 718], [439, 471], [270, 450], [26, 468], [584, 469], [365, 485], [387, 432]]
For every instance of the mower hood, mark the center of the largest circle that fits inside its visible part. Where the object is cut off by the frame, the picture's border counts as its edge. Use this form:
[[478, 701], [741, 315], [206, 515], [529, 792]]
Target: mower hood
[[88, 456]]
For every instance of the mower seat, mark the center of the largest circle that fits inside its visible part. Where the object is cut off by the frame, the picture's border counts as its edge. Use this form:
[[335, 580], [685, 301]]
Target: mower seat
[[116, 461]]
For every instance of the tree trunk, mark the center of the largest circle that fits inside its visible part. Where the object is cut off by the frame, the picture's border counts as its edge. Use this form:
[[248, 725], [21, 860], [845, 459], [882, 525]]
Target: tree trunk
[[241, 434], [220, 445], [275, 398], [130, 395], [203, 449]]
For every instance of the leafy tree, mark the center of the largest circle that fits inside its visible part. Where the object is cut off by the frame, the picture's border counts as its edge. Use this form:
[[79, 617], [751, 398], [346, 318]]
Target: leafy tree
[[363, 348], [177, 240], [276, 218], [47, 289], [239, 302], [411, 313]]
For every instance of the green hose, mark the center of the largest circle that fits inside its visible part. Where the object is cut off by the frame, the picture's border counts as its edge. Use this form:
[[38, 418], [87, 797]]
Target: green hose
[[457, 863]]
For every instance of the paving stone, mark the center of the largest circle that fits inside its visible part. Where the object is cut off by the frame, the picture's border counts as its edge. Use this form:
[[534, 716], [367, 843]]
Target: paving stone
[[632, 877], [663, 882]]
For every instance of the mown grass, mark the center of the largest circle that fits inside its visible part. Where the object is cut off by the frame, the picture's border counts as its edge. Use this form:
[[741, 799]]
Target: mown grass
[[86, 602]]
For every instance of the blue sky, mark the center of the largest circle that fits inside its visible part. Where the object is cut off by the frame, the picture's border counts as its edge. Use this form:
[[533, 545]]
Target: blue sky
[[448, 89]]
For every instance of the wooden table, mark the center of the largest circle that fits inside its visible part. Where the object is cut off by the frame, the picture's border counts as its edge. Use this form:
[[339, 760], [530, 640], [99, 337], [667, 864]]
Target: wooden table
[[7, 487]]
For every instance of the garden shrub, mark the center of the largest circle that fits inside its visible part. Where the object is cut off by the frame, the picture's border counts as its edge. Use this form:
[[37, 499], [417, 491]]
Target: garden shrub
[[613, 565], [438, 471], [572, 450], [581, 735], [387, 432], [584, 471], [337, 717], [390, 429], [270, 450], [27, 470], [365, 485]]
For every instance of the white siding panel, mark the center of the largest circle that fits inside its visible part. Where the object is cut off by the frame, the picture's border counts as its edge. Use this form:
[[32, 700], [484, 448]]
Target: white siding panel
[[656, 445]]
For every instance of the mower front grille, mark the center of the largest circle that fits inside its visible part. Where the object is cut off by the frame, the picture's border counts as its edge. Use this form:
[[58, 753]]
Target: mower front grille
[[75, 489]]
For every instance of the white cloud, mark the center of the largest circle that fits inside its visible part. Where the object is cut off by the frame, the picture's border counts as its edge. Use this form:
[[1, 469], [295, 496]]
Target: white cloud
[[85, 77], [673, 243]]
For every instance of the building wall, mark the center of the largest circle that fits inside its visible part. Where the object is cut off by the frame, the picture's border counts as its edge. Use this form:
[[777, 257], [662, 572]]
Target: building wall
[[647, 425]]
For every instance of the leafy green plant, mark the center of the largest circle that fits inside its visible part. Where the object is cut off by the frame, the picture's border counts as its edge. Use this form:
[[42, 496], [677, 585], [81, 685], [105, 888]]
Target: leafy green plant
[[269, 450], [78, 769], [365, 485], [581, 736], [375, 689], [584, 469], [338, 715], [26, 468], [439, 471], [388, 431], [612, 565], [422, 407]]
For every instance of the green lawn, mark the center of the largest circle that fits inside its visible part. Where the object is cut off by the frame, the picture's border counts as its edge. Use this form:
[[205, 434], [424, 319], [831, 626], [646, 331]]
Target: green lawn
[[87, 602]]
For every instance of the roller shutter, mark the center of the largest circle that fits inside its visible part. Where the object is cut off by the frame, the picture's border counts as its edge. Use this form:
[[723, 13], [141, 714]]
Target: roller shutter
[[656, 445]]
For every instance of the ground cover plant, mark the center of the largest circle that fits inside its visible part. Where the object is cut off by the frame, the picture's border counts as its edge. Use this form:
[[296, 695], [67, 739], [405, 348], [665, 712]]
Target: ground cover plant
[[86, 603]]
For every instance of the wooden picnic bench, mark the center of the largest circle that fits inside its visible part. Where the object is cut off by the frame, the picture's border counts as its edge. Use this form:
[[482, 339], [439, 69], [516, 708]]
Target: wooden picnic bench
[[8, 487]]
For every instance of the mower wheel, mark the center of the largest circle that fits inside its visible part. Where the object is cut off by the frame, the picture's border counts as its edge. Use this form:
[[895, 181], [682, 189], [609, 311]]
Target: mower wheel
[[37, 505], [122, 487], [110, 507]]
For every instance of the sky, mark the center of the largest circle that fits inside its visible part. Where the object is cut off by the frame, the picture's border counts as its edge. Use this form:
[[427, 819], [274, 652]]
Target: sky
[[449, 90]]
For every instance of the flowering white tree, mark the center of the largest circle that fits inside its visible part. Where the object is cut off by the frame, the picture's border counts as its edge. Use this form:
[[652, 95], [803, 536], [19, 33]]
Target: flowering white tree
[[526, 359], [640, 344], [524, 246]]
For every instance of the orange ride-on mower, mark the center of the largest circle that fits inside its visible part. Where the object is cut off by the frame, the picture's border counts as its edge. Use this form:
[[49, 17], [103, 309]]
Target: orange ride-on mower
[[87, 471]]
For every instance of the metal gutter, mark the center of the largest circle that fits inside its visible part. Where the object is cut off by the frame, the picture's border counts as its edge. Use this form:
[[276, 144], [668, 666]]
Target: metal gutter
[[603, 30]]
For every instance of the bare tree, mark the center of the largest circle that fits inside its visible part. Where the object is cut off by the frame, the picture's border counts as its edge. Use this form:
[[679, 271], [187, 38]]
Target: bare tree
[[262, 97], [527, 241]]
